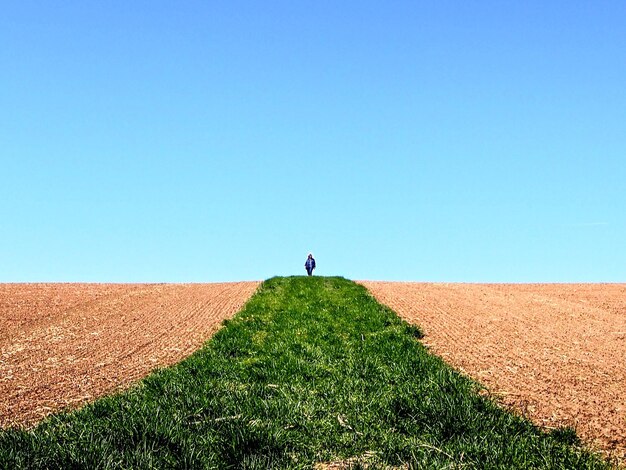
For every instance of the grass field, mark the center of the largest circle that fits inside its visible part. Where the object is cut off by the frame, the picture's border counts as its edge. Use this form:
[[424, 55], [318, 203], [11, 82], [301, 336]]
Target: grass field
[[312, 373]]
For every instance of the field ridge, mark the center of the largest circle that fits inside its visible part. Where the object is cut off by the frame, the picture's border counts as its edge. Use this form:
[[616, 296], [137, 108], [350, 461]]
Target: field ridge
[[312, 373]]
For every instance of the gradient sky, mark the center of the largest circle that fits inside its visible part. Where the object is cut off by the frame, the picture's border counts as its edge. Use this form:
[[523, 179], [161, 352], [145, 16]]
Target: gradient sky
[[201, 141]]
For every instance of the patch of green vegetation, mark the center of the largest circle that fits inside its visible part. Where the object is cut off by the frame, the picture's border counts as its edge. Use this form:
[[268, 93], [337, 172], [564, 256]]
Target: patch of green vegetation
[[311, 370]]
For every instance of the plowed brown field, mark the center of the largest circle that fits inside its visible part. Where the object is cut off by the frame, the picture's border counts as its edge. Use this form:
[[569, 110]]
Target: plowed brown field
[[554, 352], [62, 345]]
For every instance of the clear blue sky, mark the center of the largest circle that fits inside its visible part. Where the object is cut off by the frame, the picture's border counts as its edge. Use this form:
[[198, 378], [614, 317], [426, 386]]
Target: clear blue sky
[[397, 140]]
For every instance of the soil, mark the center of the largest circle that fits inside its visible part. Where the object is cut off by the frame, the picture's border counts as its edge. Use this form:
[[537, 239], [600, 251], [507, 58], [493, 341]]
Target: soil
[[556, 353], [62, 345]]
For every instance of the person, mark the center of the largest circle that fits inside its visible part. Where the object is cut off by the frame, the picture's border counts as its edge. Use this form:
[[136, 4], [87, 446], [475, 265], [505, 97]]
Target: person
[[309, 264]]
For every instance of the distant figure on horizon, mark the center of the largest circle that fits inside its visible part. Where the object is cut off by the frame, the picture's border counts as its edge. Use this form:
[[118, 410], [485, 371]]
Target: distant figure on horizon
[[309, 264]]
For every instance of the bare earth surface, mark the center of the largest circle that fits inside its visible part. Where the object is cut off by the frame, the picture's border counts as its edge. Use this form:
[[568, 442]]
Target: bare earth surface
[[62, 345], [554, 352]]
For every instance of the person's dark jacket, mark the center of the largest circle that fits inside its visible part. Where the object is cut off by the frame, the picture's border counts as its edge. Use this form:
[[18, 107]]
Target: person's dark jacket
[[310, 263]]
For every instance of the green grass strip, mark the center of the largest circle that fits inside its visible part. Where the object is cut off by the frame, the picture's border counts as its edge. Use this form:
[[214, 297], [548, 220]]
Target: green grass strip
[[311, 370]]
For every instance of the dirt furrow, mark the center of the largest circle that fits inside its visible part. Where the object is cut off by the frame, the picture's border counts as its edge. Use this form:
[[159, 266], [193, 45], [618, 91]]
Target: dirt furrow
[[65, 344], [553, 352]]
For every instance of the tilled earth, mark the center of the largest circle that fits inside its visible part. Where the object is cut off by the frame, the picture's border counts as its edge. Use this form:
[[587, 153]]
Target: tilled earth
[[556, 353], [62, 345]]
